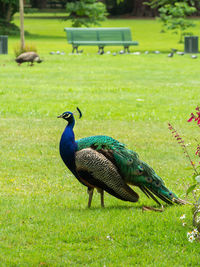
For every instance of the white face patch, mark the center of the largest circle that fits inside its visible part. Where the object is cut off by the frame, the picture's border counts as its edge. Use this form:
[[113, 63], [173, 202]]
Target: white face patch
[[67, 116]]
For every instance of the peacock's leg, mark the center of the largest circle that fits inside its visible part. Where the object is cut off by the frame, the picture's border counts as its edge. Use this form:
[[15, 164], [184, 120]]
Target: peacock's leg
[[100, 191], [90, 192], [102, 199]]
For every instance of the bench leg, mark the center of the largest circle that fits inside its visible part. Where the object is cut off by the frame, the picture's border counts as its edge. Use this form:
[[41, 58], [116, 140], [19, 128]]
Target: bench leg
[[126, 48], [101, 50], [76, 48]]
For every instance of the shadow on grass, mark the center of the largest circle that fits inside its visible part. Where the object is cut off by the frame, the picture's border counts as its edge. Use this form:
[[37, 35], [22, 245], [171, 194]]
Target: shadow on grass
[[42, 37], [118, 207]]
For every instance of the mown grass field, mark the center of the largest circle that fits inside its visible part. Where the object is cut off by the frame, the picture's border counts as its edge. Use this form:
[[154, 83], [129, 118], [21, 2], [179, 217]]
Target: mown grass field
[[44, 219]]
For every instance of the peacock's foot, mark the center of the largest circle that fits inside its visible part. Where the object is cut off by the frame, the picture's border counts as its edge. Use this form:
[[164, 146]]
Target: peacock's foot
[[146, 208]]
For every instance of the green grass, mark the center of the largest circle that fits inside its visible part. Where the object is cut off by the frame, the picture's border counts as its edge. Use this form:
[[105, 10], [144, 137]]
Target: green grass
[[44, 218]]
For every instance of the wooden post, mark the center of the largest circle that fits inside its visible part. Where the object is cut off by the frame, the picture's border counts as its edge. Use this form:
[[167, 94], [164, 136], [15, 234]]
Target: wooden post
[[21, 10]]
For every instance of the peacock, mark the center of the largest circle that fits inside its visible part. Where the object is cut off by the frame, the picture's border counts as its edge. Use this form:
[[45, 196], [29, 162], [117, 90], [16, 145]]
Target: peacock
[[28, 57], [104, 163]]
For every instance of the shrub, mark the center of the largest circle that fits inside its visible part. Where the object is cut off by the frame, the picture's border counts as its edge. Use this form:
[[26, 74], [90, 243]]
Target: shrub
[[28, 48], [173, 15], [7, 28], [195, 187], [86, 13], [173, 18]]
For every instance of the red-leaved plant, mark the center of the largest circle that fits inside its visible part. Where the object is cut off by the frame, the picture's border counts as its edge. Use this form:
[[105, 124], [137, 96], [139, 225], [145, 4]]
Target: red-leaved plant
[[195, 187]]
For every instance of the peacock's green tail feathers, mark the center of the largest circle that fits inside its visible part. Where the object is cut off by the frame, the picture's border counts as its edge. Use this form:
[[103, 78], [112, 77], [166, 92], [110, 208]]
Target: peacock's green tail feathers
[[154, 186], [142, 175], [128, 162]]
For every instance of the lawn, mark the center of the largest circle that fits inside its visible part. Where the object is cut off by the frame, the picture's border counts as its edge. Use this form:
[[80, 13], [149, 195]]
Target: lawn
[[44, 219]]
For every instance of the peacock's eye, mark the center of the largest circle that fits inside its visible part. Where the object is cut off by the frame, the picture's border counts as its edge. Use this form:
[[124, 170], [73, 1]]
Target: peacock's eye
[[157, 183], [149, 179], [130, 161]]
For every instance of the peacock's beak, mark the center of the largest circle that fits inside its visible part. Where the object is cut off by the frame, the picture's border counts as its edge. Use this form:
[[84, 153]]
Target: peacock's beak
[[60, 116]]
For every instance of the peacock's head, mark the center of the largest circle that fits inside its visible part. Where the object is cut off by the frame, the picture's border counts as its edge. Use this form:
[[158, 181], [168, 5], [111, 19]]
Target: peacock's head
[[69, 116], [39, 61]]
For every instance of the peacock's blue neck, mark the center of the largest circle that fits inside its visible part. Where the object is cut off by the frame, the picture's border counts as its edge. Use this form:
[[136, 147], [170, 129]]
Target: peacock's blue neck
[[68, 146]]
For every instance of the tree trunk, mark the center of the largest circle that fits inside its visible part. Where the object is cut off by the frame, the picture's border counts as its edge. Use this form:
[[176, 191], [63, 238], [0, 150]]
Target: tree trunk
[[38, 3], [9, 13], [140, 9], [42, 4], [21, 9]]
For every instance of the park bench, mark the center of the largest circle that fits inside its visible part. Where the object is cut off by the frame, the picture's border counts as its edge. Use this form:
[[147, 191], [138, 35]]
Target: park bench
[[100, 37]]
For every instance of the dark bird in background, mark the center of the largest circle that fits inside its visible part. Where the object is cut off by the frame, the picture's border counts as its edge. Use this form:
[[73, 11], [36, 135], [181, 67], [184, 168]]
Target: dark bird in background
[[180, 53], [174, 50], [103, 163], [172, 53], [28, 57]]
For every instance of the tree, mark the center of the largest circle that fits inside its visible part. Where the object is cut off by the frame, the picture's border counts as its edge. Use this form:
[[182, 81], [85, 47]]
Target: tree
[[173, 15], [85, 12], [7, 9]]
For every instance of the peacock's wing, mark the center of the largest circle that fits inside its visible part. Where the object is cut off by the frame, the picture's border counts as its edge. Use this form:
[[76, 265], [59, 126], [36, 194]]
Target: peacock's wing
[[126, 160], [130, 167], [96, 170]]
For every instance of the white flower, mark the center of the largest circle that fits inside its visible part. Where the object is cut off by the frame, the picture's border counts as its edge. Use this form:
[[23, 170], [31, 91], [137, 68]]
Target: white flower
[[182, 217], [195, 232], [191, 238], [188, 144], [189, 234], [109, 237], [184, 224]]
